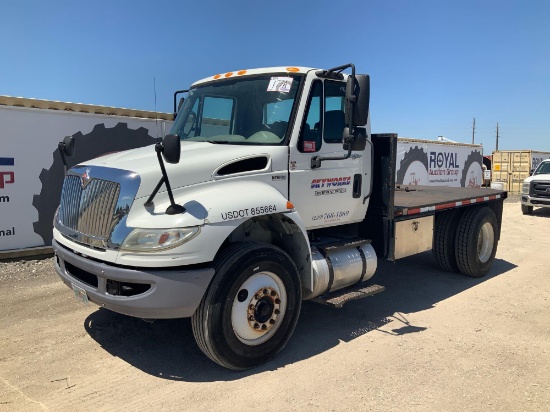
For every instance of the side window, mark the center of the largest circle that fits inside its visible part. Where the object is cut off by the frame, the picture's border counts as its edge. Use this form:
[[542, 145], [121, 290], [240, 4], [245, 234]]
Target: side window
[[334, 117], [217, 116], [310, 134]]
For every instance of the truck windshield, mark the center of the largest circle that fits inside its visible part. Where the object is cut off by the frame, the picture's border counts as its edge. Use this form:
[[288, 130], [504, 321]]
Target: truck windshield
[[543, 169], [251, 110]]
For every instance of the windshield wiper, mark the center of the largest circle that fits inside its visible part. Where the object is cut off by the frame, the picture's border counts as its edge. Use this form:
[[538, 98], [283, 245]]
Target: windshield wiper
[[217, 141]]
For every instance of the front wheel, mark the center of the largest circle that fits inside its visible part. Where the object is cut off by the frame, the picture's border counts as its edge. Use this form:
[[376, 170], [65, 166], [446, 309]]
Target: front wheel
[[476, 241], [526, 210], [251, 308]]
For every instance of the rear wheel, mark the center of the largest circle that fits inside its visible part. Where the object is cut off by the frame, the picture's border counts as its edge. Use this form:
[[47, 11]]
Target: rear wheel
[[444, 240], [251, 308], [526, 210], [476, 241]]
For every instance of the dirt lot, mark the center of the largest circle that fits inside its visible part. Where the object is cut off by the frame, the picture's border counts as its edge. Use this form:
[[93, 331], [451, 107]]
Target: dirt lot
[[433, 341]]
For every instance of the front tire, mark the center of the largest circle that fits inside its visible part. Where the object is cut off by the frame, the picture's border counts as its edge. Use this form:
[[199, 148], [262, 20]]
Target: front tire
[[251, 307], [476, 241], [526, 210]]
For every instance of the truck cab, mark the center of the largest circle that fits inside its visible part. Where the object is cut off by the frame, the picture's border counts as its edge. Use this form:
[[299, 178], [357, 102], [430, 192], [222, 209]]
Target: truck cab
[[535, 191], [255, 112]]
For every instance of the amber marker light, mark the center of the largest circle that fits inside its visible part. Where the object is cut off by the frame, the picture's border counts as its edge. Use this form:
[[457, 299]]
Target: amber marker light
[[292, 69], [241, 72], [217, 76], [229, 74], [289, 205]]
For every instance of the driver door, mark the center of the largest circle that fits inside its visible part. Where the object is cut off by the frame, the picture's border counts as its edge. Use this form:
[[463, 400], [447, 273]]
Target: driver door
[[333, 193]]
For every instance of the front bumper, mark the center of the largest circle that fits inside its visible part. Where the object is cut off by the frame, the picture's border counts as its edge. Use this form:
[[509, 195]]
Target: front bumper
[[172, 293], [534, 201]]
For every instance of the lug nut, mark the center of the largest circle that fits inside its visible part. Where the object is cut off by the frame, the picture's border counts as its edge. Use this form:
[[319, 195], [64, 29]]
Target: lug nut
[[276, 311], [256, 326], [278, 301], [264, 327]]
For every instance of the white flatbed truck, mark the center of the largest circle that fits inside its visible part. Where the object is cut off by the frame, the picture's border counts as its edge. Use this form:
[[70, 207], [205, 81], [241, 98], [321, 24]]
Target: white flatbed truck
[[281, 195]]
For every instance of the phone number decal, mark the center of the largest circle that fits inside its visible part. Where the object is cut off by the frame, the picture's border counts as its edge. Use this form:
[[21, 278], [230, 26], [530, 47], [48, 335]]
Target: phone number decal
[[253, 211], [331, 216]]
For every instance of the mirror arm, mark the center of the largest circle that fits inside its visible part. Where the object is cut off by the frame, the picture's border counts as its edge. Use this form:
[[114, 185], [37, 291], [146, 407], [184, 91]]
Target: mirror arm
[[61, 147], [350, 102], [175, 98], [174, 208], [154, 193]]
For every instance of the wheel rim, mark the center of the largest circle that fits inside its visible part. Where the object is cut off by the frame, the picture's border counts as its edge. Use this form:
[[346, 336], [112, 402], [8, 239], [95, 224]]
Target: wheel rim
[[258, 308], [485, 242]]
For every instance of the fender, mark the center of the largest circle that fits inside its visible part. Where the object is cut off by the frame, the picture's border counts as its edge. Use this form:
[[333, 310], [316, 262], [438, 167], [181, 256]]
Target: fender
[[214, 202], [218, 208]]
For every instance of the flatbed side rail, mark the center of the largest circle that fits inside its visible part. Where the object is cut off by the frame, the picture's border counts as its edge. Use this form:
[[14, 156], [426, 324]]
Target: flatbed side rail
[[404, 211]]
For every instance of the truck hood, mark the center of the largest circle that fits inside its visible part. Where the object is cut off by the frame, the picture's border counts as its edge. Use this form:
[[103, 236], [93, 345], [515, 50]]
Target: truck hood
[[539, 178], [199, 162]]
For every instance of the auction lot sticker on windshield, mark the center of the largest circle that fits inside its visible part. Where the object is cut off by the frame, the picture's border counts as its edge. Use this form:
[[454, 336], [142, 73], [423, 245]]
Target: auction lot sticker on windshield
[[279, 84], [80, 294]]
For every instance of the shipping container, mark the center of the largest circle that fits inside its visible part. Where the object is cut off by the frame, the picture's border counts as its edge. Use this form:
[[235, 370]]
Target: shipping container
[[512, 167], [31, 170]]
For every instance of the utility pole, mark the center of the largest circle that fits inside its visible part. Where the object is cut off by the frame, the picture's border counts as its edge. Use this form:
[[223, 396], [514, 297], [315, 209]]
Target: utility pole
[[473, 130], [497, 137]]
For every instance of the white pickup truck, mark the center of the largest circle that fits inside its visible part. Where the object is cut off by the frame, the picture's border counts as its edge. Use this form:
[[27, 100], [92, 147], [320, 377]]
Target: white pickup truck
[[282, 194], [535, 191]]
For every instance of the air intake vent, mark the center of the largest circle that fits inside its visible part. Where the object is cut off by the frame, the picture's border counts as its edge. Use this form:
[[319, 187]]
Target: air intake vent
[[245, 165]]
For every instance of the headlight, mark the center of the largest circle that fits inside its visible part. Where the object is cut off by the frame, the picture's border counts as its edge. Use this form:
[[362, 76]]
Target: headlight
[[55, 217], [154, 240], [525, 188]]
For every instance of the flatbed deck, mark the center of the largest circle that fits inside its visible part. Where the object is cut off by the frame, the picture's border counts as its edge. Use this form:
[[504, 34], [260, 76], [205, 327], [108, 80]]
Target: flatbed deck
[[410, 200]]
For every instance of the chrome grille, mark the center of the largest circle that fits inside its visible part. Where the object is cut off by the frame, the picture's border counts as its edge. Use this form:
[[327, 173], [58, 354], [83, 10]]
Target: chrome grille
[[90, 210]]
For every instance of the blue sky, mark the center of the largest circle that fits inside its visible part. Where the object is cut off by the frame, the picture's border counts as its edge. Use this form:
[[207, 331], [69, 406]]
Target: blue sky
[[434, 65]]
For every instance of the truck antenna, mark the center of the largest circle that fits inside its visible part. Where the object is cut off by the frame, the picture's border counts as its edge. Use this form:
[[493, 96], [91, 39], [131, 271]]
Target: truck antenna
[[156, 113]]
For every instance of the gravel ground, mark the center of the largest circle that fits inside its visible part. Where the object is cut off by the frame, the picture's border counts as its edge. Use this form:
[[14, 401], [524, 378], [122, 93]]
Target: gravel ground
[[433, 341]]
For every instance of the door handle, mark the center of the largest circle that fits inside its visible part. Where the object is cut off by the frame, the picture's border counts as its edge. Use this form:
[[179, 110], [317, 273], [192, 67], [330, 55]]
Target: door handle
[[357, 180]]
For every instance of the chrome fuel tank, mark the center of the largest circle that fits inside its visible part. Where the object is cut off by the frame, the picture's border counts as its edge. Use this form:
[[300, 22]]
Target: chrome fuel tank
[[338, 268]]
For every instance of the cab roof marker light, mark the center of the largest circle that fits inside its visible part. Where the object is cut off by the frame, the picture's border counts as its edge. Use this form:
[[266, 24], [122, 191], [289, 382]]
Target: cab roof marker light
[[217, 76], [241, 72], [229, 74], [292, 69]]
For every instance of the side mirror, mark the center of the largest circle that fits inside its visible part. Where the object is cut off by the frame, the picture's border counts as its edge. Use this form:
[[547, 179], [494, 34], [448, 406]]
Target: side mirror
[[531, 172], [171, 148], [67, 146], [359, 141], [360, 92]]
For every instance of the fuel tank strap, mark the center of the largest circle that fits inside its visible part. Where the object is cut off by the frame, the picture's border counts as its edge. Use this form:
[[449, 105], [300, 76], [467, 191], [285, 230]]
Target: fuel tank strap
[[330, 269], [364, 260]]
